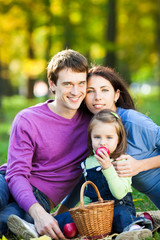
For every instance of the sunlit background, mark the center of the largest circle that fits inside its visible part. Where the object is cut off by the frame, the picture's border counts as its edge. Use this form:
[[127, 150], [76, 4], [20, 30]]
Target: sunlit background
[[123, 34]]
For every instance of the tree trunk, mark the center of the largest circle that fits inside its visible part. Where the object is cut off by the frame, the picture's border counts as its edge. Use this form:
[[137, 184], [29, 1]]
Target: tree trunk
[[30, 84], [67, 25], [110, 59]]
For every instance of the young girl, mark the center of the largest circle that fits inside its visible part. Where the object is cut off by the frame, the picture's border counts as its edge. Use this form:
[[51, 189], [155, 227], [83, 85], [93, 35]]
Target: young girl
[[106, 130]]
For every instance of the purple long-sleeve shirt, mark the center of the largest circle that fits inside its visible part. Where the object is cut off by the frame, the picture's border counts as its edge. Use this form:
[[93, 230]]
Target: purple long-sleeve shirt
[[45, 150]]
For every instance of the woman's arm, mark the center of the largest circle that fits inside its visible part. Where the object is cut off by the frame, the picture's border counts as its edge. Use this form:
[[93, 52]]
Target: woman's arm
[[143, 144], [132, 167]]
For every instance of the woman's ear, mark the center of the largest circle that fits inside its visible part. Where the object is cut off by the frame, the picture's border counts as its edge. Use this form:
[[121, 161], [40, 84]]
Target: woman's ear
[[117, 95]]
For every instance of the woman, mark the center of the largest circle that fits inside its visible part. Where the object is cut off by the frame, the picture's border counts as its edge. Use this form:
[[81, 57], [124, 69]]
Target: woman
[[107, 90]]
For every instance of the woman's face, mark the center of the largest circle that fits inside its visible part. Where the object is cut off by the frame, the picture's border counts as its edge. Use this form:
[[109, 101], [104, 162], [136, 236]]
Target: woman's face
[[100, 95]]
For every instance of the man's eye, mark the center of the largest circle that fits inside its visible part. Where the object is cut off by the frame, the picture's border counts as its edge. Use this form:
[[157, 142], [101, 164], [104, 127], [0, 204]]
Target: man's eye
[[67, 84], [82, 83], [96, 137]]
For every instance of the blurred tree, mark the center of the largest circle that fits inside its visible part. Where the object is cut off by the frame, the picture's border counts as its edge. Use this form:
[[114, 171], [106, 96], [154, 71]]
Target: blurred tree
[[120, 34]]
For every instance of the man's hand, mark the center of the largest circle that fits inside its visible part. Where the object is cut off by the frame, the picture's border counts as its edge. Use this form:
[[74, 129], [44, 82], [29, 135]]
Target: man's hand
[[45, 224], [128, 168]]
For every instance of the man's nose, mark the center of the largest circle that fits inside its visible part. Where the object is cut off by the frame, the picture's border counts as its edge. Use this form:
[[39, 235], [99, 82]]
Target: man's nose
[[74, 90]]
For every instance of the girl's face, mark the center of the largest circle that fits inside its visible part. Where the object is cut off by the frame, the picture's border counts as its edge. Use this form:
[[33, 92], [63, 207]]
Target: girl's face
[[104, 135], [100, 95]]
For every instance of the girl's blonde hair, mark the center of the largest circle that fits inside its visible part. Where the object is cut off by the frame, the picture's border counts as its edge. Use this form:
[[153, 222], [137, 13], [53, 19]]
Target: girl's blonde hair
[[109, 116]]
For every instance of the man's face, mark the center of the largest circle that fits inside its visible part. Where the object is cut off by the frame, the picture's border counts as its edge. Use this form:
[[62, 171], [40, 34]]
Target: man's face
[[70, 90]]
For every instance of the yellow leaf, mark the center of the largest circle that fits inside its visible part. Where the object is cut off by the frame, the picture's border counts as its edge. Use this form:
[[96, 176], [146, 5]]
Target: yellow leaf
[[44, 237], [4, 238]]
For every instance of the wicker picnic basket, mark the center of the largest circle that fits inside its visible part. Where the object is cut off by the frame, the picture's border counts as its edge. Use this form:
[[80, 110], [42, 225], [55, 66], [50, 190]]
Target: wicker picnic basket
[[95, 219]]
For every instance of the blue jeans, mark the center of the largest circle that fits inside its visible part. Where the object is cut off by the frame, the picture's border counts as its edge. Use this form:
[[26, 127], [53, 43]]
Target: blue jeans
[[11, 207], [63, 219], [148, 182], [4, 191]]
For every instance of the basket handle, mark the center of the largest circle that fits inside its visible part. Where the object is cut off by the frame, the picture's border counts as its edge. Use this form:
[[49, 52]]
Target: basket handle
[[82, 193]]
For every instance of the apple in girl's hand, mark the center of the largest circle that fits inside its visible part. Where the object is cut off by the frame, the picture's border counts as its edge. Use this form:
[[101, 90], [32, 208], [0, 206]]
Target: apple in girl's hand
[[99, 150], [148, 216], [70, 230]]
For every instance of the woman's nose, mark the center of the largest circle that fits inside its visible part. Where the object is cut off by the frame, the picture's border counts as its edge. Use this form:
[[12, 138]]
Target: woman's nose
[[98, 96]]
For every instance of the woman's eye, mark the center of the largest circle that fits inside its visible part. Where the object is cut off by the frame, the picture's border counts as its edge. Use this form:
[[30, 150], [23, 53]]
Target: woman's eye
[[105, 90], [90, 91]]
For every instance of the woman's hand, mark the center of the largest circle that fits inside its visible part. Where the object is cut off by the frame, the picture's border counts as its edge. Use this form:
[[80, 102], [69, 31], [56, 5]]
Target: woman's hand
[[103, 159], [129, 167]]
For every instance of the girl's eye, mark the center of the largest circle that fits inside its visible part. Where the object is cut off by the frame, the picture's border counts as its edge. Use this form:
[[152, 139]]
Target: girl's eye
[[109, 137], [97, 137]]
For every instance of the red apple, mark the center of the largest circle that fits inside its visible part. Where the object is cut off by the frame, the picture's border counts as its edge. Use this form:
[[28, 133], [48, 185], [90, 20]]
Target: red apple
[[70, 230], [99, 149], [148, 216]]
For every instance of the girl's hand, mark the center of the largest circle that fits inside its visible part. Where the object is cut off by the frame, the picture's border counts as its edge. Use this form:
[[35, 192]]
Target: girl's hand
[[103, 159], [128, 168]]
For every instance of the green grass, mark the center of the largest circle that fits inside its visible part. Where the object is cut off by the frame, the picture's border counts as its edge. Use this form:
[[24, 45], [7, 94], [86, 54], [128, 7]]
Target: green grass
[[148, 105]]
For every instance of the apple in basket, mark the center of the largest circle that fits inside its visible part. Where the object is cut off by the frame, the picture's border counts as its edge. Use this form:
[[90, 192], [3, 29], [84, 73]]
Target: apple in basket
[[101, 148], [148, 216], [70, 230]]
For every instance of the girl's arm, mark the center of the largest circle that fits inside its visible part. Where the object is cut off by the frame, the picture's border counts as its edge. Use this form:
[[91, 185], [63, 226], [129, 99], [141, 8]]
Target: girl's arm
[[118, 186]]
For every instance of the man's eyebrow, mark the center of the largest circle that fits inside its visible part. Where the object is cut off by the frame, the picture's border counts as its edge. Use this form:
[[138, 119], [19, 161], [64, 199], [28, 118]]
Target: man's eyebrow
[[67, 82]]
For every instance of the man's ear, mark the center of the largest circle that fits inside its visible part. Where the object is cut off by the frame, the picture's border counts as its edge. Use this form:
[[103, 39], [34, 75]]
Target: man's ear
[[117, 95], [51, 85]]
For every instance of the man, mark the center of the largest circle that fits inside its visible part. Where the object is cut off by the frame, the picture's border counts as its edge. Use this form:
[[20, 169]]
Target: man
[[47, 144]]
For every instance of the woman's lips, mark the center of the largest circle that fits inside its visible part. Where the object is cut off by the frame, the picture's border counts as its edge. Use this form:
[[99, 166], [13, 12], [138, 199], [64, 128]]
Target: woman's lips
[[98, 105]]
